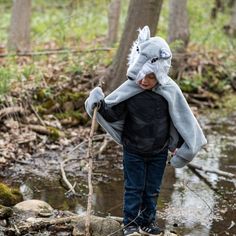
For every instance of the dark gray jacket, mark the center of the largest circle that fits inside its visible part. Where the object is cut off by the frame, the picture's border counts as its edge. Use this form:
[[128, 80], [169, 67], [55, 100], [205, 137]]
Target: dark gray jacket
[[146, 122]]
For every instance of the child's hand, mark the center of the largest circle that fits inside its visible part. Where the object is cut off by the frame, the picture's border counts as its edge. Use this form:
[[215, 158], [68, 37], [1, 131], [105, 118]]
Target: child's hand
[[174, 152], [95, 97]]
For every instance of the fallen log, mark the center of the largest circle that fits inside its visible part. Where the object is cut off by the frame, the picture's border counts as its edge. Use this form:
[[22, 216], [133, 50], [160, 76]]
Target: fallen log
[[43, 223], [99, 226], [46, 130]]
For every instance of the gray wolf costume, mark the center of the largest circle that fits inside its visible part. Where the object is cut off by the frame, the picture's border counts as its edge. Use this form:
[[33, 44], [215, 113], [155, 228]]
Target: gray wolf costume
[[153, 55]]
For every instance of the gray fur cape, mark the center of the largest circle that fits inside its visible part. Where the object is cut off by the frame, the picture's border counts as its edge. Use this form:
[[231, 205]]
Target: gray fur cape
[[183, 120]]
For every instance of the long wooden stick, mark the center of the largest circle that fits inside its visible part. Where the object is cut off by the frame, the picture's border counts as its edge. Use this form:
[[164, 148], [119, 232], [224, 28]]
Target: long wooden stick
[[90, 169]]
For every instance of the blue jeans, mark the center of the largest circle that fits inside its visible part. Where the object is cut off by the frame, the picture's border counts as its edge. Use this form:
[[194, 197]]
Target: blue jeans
[[143, 177]]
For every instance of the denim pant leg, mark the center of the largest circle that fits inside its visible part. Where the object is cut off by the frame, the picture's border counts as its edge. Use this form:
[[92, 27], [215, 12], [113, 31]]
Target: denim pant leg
[[134, 176], [155, 167]]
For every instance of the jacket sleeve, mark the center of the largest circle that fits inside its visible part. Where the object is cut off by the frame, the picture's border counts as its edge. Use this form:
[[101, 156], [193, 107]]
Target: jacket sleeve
[[112, 113]]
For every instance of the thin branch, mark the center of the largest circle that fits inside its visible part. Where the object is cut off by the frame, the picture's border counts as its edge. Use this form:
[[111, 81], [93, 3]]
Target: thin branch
[[37, 115], [95, 138], [65, 178]]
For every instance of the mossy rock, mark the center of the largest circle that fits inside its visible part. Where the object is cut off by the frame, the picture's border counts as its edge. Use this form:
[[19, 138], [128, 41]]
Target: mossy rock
[[9, 196], [38, 207], [5, 212]]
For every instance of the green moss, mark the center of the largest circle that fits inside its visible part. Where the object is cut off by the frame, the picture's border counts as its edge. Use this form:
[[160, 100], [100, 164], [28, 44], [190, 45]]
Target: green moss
[[227, 105], [55, 134], [191, 85], [5, 212], [80, 117], [42, 94], [70, 96], [9, 196], [43, 107], [48, 104], [229, 102]]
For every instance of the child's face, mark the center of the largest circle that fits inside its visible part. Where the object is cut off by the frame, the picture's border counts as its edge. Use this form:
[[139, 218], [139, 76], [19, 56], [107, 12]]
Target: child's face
[[148, 82]]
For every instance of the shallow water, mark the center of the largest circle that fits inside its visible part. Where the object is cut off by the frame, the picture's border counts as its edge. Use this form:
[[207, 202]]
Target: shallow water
[[187, 203]]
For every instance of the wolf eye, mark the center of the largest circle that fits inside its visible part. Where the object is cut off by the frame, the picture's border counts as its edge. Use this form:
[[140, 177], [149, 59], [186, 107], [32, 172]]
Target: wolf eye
[[154, 59], [137, 49]]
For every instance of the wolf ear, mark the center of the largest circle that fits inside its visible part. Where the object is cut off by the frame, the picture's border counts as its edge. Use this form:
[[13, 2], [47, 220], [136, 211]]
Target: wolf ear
[[164, 54], [144, 34]]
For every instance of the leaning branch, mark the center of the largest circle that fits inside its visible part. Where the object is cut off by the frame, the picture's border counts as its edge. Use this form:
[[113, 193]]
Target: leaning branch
[[215, 171], [71, 188]]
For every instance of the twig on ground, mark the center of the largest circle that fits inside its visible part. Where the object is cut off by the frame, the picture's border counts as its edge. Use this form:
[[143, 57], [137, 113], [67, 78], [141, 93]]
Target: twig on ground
[[37, 115]]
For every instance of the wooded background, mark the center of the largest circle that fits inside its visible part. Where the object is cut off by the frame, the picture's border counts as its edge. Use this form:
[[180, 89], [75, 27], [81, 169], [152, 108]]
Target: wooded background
[[52, 53], [189, 26]]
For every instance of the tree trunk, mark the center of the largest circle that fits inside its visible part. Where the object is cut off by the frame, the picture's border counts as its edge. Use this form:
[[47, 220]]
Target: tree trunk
[[19, 35], [178, 23], [113, 21], [218, 6], [232, 25], [140, 13]]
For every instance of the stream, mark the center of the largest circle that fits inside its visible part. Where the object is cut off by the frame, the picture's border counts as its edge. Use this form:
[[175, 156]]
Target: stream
[[188, 203]]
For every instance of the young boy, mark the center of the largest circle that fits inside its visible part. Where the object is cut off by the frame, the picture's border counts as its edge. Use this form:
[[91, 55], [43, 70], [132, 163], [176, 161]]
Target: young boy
[[147, 115]]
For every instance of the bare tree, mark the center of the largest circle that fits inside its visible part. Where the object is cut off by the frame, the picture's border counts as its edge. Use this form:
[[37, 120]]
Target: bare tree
[[113, 21], [218, 6], [178, 28], [19, 34], [230, 29], [140, 13]]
